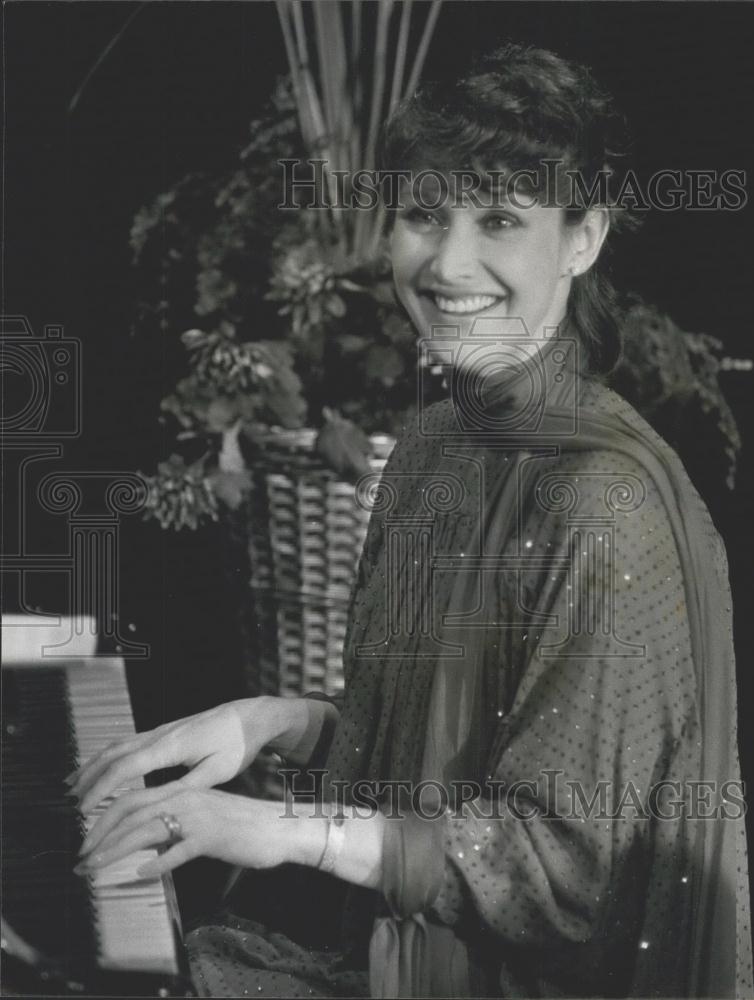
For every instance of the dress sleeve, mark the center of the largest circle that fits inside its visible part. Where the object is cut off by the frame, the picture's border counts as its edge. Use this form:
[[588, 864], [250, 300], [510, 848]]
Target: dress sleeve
[[602, 711], [320, 740]]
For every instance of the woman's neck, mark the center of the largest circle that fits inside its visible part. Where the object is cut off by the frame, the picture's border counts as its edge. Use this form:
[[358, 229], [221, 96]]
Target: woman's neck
[[544, 376]]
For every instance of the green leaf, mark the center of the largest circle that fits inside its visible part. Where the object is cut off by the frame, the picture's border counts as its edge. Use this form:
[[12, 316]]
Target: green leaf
[[384, 364], [336, 306], [194, 338], [221, 414], [344, 446], [350, 343]]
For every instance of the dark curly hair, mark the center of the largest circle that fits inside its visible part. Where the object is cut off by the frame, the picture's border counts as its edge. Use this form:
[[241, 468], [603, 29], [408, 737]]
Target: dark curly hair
[[521, 106]]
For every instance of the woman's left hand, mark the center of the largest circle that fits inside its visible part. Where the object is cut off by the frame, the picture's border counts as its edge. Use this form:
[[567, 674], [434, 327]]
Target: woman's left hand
[[253, 833]]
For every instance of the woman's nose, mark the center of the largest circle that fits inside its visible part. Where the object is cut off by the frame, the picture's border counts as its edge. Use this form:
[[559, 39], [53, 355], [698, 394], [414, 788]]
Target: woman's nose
[[453, 260]]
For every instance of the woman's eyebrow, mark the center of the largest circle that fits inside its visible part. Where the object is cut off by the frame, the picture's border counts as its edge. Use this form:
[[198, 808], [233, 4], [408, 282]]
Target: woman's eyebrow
[[494, 191]]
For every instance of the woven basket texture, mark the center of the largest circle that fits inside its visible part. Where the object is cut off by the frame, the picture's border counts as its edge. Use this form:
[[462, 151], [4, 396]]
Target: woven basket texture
[[303, 530]]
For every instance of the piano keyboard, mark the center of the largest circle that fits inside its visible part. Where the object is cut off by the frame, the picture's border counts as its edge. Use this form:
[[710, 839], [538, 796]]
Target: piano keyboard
[[131, 917], [55, 718]]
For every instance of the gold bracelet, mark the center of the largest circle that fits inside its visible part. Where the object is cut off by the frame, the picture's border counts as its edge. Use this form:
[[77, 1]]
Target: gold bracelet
[[336, 838]]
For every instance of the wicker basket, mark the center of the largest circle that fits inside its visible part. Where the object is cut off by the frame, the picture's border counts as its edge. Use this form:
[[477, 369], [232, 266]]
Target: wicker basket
[[303, 531]]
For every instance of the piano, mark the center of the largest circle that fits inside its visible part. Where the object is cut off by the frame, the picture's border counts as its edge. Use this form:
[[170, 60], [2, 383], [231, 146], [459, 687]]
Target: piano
[[112, 933]]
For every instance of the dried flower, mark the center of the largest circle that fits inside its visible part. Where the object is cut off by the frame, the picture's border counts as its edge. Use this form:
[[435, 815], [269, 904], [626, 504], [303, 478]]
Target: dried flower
[[180, 495], [306, 284]]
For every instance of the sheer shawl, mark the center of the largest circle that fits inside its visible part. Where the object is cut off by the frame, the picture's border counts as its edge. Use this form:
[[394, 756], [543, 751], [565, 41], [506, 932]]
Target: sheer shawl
[[412, 954]]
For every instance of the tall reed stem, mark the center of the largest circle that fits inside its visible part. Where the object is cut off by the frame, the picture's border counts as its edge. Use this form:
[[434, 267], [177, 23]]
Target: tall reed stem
[[332, 97]]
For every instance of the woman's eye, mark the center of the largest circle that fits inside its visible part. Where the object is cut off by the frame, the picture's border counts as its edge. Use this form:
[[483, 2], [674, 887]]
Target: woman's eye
[[496, 223], [421, 217]]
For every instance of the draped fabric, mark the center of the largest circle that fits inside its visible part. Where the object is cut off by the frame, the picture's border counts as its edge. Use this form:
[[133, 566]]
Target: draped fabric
[[637, 905], [546, 613]]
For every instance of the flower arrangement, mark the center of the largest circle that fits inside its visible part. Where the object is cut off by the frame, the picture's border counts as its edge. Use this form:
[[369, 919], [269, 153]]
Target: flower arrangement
[[289, 318], [294, 331]]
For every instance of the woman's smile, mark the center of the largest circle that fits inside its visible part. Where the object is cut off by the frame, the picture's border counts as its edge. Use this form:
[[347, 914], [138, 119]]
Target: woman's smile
[[458, 263], [466, 303]]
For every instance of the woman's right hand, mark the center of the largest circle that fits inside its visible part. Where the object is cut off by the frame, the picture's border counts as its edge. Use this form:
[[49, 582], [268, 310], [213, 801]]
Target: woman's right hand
[[214, 745]]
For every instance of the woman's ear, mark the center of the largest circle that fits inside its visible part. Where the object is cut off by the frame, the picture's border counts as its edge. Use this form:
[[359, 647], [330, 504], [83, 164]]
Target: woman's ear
[[586, 240]]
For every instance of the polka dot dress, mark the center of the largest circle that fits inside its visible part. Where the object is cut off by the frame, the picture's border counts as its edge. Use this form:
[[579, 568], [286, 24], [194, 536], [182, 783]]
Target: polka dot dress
[[239, 958], [561, 877]]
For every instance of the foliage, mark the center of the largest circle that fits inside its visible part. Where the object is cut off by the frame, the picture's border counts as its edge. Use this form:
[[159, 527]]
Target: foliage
[[345, 84], [671, 377], [282, 327], [181, 495], [289, 317]]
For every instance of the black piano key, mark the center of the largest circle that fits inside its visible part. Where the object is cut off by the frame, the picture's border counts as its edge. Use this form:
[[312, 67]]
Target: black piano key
[[64, 915], [41, 830]]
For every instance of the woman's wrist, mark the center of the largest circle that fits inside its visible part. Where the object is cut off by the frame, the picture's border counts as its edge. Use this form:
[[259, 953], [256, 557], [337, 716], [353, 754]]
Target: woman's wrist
[[307, 838], [358, 859], [276, 723], [301, 721]]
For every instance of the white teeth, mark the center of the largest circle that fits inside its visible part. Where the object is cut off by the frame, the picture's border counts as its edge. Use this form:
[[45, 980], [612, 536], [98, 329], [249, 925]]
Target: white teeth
[[469, 304]]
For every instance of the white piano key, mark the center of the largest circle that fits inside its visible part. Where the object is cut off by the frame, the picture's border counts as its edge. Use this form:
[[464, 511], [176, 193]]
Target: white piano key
[[132, 916]]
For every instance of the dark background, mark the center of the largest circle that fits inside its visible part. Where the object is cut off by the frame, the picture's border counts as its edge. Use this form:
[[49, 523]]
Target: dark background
[[176, 94]]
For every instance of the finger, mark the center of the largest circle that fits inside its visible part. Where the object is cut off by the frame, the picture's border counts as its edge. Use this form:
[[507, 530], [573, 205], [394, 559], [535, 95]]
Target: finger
[[124, 805], [120, 773], [150, 816], [153, 807], [117, 749], [93, 767], [205, 775], [184, 851], [151, 833], [83, 773]]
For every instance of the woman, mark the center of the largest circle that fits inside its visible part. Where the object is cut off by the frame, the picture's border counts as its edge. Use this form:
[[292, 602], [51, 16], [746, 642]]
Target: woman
[[538, 666]]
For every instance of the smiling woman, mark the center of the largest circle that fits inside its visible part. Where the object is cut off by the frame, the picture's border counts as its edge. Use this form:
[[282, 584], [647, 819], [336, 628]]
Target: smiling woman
[[462, 263], [542, 595], [535, 134]]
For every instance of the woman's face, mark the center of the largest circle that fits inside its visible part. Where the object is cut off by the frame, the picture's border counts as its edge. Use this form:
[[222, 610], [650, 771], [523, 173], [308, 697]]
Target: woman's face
[[461, 262]]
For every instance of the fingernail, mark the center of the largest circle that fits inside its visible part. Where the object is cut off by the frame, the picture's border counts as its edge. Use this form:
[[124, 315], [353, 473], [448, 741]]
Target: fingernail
[[87, 844], [70, 778], [81, 868]]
